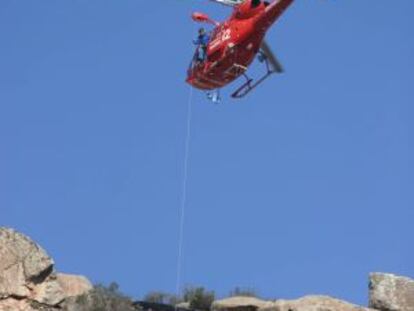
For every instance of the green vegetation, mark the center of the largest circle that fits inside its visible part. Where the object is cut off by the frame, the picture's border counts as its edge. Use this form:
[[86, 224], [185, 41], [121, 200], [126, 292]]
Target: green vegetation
[[101, 298], [199, 298], [109, 298]]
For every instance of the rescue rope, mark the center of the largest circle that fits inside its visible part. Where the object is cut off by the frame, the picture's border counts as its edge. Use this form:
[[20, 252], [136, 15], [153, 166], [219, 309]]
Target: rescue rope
[[184, 192]]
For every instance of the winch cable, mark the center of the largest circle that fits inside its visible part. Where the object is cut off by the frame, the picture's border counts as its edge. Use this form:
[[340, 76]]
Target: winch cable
[[184, 193]]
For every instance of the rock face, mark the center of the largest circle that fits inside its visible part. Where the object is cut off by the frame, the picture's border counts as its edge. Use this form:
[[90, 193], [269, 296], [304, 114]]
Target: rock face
[[307, 303], [21, 262], [28, 282], [27, 278], [388, 292], [73, 285], [10, 304], [312, 303], [238, 304]]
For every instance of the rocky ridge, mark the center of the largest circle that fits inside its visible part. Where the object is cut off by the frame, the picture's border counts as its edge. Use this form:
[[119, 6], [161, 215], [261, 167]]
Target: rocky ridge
[[389, 292], [27, 277], [29, 282]]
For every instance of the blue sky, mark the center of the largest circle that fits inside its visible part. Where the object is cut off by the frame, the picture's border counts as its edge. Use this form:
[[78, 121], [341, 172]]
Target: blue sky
[[304, 187]]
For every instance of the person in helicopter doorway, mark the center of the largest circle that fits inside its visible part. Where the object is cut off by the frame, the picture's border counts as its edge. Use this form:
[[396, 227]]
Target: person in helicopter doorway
[[202, 42]]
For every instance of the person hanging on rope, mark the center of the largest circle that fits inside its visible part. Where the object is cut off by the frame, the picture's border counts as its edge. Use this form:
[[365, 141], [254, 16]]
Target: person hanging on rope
[[202, 42]]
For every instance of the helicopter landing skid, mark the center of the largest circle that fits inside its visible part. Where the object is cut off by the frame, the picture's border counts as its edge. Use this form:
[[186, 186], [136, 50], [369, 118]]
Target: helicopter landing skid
[[250, 85]]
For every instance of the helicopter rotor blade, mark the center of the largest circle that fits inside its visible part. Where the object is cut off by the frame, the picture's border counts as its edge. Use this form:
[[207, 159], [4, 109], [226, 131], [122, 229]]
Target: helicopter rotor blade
[[274, 62], [231, 3]]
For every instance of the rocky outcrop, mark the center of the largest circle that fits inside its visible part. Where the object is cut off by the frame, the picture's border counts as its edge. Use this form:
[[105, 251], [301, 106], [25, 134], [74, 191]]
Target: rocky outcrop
[[73, 285], [307, 303], [28, 282], [312, 303], [388, 292], [10, 304], [22, 264], [27, 278], [238, 304]]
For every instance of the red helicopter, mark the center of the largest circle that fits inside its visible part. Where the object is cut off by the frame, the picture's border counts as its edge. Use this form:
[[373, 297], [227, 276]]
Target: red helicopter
[[234, 44]]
